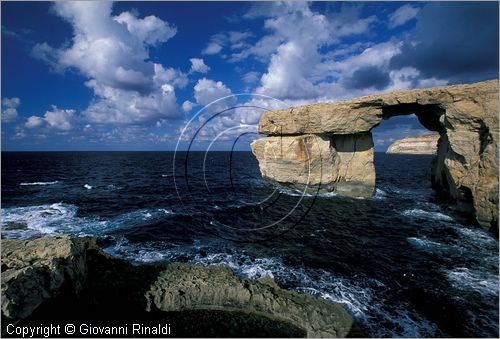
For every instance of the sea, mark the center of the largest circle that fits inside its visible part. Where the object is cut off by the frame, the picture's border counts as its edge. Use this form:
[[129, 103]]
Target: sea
[[403, 263]]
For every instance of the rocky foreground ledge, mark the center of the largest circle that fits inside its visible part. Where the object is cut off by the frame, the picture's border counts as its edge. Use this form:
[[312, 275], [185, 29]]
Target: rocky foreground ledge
[[62, 279]]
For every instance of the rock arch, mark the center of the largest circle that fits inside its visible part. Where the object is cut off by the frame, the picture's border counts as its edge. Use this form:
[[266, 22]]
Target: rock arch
[[330, 144]]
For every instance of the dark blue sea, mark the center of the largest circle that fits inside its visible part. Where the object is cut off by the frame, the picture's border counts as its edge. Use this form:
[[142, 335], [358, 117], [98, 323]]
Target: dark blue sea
[[403, 263]]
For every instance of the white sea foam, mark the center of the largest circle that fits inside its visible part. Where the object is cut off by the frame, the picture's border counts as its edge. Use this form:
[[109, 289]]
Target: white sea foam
[[42, 219], [243, 266], [419, 213], [39, 183], [424, 243], [477, 235], [463, 278], [309, 194], [31, 221], [380, 194], [87, 186]]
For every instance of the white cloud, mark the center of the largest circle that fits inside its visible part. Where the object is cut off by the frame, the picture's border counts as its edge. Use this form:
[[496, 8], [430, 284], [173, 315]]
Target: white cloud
[[9, 109], [187, 106], [151, 30], [285, 77], [60, 119], [198, 65], [251, 77], [113, 53], [130, 107], [57, 119], [296, 70], [170, 75], [213, 47], [402, 15], [206, 91], [33, 122]]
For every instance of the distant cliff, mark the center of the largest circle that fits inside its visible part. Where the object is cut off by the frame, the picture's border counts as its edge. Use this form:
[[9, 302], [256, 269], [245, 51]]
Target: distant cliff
[[423, 144]]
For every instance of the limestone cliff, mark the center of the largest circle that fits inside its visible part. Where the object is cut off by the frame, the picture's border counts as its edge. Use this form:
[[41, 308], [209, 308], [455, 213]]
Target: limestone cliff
[[341, 163], [423, 144], [465, 169]]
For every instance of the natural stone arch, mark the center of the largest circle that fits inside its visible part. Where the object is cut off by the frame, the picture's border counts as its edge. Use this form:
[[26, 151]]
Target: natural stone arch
[[428, 115], [339, 137]]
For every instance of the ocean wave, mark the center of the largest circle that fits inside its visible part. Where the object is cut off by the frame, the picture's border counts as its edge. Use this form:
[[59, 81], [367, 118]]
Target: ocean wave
[[31, 221], [466, 279], [419, 213], [365, 307], [39, 183], [425, 243], [380, 194], [298, 193], [477, 235], [413, 195], [138, 254], [242, 265], [113, 187]]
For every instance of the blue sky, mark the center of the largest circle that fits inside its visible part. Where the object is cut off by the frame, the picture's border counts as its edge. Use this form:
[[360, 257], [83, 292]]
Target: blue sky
[[139, 75]]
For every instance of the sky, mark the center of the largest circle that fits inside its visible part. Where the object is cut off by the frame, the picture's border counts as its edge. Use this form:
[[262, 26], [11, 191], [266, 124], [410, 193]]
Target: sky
[[164, 75]]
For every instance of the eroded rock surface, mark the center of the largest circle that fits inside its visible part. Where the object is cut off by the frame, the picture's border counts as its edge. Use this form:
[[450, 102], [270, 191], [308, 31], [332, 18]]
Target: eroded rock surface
[[183, 286], [62, 279], [465, 116], [423, 144], [34, 271], [341, 163]]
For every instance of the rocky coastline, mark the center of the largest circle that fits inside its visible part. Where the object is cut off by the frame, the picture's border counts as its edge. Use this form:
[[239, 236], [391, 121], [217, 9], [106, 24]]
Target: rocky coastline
[[59, 279], [329, 147], [422, 144]]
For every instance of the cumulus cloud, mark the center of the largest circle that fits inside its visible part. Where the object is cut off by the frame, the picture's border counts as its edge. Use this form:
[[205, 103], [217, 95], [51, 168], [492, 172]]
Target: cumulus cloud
[[151, 29], [198, 65], [296, 43], [454, 41], [402, 15], [206, 91], [310, 57], [33, 122], [187, 106], [170, 76], [286, 75], [9, 109], [216, 98], [60, 119], [113, 53], [56, 118]]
